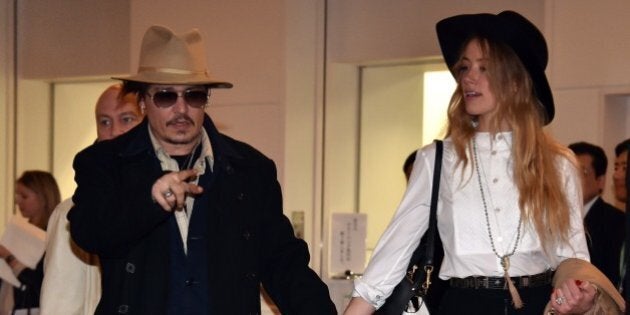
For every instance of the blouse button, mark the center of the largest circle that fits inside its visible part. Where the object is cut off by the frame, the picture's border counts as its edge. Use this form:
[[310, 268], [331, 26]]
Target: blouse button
[[494, 152], [495, 180]]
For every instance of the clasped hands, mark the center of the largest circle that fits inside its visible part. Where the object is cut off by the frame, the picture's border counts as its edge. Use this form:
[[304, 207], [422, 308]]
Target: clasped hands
[[170, 190], [573, 297]]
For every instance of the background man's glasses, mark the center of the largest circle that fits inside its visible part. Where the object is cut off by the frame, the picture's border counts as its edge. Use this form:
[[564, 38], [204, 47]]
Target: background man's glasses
[[194, 98]]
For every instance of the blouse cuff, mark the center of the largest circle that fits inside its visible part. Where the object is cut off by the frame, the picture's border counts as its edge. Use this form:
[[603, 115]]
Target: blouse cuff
[[369, 293]]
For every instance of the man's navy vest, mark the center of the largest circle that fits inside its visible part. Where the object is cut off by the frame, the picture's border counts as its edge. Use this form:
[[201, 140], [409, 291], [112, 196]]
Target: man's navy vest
[[188, 274]]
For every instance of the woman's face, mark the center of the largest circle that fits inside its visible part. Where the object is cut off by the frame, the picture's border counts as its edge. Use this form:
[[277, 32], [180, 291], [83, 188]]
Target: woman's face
[[30, 204], [473, 80]]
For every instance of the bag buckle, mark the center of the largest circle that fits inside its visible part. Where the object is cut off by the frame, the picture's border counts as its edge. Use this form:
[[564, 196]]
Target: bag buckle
[[411, 273], [427, 282]]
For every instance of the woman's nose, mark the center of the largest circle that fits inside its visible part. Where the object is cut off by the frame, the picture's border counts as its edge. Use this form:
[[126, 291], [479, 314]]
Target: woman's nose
[[470, 76]]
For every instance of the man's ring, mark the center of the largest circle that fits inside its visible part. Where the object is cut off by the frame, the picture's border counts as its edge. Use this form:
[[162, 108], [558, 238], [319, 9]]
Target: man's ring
[[167, 193], [560, 300]]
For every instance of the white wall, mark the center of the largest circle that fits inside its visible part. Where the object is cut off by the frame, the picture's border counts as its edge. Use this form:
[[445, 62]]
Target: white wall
[[7, 111]]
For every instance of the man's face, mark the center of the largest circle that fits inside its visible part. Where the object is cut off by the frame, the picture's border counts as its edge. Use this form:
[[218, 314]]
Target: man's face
[[619, 177], [175, 121], [115, 116], [592, 185]]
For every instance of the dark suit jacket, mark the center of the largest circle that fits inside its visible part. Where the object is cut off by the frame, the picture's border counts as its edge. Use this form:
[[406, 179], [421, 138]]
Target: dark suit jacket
[[605, 232], [250, 241], [27, 296]]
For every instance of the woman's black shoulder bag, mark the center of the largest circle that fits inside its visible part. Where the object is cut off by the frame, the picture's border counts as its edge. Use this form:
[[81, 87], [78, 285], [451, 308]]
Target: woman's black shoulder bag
[[416, 281]]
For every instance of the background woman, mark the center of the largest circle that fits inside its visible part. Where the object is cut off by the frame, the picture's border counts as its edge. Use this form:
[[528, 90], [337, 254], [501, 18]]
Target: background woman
[[36, 194], [510, 200]]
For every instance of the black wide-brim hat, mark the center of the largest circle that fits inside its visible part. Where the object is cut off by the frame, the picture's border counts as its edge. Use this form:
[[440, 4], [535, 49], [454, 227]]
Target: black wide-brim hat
[[506, 27]]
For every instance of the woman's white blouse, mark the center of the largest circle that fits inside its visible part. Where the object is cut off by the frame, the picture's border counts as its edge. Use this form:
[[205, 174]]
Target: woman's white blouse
[[462, 223]]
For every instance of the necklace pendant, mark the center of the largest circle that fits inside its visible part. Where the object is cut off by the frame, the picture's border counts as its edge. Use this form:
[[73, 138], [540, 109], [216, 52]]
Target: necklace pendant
[[505, 263]]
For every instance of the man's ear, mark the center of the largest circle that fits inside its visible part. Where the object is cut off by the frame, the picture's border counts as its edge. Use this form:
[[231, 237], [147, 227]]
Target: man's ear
[[601, 182]]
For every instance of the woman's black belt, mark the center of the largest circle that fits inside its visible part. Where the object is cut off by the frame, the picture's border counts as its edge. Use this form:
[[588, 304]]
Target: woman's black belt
[[498, 283]]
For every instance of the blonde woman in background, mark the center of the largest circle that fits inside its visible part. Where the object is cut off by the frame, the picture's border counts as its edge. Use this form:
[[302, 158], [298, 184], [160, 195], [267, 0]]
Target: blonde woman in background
[[36, 195]]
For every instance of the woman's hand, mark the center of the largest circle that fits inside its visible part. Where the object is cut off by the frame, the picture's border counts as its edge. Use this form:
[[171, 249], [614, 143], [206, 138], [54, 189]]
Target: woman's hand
[[573, 297], [359, 306]]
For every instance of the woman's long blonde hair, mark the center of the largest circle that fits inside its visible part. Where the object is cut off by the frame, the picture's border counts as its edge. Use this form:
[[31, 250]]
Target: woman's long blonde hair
[[541, 197]]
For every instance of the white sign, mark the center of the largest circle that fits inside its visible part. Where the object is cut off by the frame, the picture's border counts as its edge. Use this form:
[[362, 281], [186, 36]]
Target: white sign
[[347, 250]]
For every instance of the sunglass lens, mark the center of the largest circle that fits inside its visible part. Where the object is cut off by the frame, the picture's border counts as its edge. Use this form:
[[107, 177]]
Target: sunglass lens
[[196, 98], [164, 98]]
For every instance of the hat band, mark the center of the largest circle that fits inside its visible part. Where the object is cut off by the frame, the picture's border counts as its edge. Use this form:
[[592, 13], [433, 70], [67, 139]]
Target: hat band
[[169, 70]]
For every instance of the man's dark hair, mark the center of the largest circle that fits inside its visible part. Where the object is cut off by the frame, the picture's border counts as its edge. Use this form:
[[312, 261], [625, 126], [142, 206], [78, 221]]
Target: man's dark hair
[[600, 162], [138, 88], [622, 147]]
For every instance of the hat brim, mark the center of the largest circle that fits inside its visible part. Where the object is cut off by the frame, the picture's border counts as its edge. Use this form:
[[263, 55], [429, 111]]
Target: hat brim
[[507, 27], [178, 79]]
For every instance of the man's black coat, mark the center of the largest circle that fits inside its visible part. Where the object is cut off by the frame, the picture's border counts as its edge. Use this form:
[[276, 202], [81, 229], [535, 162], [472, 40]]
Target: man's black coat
[[250, 241]]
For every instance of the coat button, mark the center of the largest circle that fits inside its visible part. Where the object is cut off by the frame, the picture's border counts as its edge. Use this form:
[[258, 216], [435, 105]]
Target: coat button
[[130, 268], [240, 196], [123, 309], [246, 235], [189, 282]]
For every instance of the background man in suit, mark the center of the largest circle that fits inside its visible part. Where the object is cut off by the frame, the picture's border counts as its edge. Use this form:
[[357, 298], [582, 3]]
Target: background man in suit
[[604, 224], [619, 176], [621, 180]]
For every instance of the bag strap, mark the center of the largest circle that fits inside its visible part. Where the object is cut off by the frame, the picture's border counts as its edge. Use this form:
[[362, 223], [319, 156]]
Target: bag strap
[[423, 256], [435, 191]]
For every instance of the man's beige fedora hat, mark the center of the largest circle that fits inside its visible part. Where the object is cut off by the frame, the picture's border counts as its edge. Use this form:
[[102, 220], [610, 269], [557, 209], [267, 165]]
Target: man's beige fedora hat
[[169, 58]]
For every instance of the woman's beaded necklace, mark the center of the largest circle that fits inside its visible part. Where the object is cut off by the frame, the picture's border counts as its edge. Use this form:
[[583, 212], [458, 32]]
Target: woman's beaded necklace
[[505, 258]]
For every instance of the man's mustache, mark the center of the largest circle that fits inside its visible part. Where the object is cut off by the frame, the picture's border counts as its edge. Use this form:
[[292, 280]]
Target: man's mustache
[[179, 119]]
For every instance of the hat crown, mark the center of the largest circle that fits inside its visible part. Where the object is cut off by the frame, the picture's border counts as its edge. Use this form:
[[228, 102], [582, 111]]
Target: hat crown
[[169, 58], [162, 50]]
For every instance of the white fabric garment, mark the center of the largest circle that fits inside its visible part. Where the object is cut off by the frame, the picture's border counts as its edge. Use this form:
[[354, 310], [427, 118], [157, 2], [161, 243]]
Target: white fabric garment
[[72, 280], [462, 223]]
